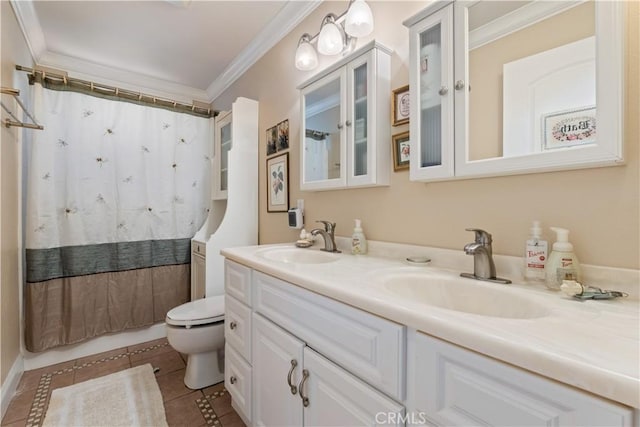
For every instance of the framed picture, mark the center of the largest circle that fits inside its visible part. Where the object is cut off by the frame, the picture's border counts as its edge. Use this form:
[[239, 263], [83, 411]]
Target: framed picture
[[569, 128], [401, 151], [401, 106], [272, 139], [283, 135], [278, 183]]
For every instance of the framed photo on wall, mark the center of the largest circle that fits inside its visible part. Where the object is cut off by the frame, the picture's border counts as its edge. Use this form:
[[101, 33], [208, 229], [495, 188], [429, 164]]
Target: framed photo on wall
[[401, 105], [401, 151], [283, 135], [278, 183], [272, 140]]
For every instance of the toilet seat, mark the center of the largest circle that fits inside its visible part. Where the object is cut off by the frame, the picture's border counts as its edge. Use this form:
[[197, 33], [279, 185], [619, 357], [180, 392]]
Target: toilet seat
[[199, 312]]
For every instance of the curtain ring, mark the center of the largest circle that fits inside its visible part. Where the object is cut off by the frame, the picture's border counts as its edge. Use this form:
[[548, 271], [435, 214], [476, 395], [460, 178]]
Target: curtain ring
[[117, 90], [139, 96], [92, 86]]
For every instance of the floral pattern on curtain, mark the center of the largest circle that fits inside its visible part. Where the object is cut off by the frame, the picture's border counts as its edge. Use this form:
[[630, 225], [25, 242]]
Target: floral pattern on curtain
[[115, 191]]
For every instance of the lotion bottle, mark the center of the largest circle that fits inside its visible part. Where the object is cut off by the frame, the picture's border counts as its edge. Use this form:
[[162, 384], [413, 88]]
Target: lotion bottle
[[535, 255], [563, 264], [358, 241]]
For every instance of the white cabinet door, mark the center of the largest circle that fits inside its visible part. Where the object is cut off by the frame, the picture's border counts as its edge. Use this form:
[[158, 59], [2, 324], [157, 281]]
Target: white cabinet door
[[337, 398], [451, 386], [432, 93], [198, 277], [222, 144], [277, 359]]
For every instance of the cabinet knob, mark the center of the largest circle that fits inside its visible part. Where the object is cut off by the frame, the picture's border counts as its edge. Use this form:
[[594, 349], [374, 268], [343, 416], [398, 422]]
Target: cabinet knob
[[340, 125], [348, 123], [443, 90], [233, 325], [459, 85], [233, 379], [292, 387]]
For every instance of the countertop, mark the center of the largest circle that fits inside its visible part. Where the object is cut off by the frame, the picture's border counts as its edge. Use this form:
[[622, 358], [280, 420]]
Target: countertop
[[590, 345]]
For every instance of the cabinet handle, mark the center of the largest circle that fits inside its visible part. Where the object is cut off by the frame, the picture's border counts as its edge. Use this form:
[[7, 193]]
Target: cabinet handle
[[459, 85], [340, 125], [294, 389], [348, 123], [443, 90], [305, 400], [233, 379], [232, 325]]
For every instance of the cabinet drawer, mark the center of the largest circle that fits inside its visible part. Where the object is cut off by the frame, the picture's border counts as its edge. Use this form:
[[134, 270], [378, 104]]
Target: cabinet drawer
[[199, 248], [366, 345], [237, 326], [237, 281], [457, 387], [237, 380]]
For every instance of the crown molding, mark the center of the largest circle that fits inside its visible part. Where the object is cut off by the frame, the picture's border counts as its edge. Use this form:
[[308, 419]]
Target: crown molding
[[30, 26], [291, 14], [516, 20]]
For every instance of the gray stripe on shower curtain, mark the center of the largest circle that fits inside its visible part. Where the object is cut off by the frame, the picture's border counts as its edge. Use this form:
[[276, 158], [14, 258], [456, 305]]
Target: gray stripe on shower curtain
[[69, 261]]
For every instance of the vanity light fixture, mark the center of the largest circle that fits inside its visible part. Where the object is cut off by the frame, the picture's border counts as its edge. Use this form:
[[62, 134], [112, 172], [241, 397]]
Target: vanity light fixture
[[306, 56], [333, 38]]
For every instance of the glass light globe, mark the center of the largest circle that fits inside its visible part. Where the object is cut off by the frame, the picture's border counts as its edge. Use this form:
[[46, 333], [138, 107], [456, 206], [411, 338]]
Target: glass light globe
[[359, 20], [331, 38], [306, 56]]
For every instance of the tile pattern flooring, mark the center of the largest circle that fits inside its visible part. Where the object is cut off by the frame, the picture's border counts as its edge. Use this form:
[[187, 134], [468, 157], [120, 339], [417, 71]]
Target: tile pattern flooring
[[210, 406]]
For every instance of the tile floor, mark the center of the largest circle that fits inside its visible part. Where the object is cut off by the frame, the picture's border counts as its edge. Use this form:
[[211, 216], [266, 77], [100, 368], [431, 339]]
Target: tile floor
[[210, 406]]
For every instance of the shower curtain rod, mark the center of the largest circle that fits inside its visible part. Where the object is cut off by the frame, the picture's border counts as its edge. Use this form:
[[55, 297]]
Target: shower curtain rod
[[117, 92]]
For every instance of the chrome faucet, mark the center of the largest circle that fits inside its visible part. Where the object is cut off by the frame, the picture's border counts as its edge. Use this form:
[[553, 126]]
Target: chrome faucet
[[483, 265], [328, 235]]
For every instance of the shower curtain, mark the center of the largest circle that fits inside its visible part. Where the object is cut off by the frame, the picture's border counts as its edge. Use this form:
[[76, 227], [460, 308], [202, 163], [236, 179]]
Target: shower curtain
[[115, 191]]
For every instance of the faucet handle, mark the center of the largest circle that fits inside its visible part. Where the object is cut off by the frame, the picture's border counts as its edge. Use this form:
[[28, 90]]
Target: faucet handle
[[482, 236], [329, 226]]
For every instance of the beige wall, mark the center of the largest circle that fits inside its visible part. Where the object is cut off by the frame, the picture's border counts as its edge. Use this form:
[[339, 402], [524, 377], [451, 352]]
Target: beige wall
[[14, 51], [600, 206]]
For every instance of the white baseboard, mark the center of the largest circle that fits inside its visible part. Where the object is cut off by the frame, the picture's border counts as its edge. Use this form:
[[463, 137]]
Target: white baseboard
[[96, 345], [10, 384]]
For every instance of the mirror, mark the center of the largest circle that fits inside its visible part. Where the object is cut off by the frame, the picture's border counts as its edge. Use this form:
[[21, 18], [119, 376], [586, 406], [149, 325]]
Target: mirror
[[532, 86], [322, 142]]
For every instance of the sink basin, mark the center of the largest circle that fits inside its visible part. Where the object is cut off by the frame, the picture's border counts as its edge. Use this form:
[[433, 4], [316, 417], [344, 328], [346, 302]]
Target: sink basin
[[298, 256], [463, 295]]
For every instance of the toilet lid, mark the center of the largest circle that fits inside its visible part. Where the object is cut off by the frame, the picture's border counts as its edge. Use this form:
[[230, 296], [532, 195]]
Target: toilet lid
[[199, 312]]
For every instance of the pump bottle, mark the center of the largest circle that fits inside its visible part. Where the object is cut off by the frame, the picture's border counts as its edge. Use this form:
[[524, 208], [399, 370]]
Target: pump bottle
[[563, 263], [535, 255], [358, 241]]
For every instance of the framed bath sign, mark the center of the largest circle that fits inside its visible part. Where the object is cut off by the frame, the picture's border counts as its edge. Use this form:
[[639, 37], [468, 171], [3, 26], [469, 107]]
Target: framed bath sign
[[569, 128]]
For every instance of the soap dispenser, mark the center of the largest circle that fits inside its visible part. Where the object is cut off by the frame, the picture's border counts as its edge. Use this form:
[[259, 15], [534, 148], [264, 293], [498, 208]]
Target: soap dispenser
[[358, 241], [535, 255], [563, 263]]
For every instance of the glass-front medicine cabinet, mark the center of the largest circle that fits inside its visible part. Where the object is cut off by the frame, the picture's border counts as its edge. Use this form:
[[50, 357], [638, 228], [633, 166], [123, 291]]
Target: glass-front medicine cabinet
[[345, 129], [222, 145], [510, 87]]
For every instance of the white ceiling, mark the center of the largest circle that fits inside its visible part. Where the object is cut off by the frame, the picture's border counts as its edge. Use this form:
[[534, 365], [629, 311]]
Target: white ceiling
[[197, 48]]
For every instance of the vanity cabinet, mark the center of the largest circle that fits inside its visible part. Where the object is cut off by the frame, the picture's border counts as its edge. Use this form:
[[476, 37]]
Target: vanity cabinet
[[296, 386], [198, 269], [452, 386], [345, 128], [492, 94], [238, 369], [222, 145]]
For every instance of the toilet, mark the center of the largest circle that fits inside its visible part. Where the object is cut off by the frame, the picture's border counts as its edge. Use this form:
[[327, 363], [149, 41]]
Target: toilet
[[196, 329]]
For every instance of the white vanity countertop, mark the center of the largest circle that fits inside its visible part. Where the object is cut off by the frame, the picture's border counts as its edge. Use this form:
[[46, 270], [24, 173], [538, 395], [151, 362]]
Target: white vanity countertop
[[591, 345]]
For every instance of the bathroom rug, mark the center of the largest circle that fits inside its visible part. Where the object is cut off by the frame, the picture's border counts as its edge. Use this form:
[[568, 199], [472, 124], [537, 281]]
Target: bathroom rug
[[126, 398]]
